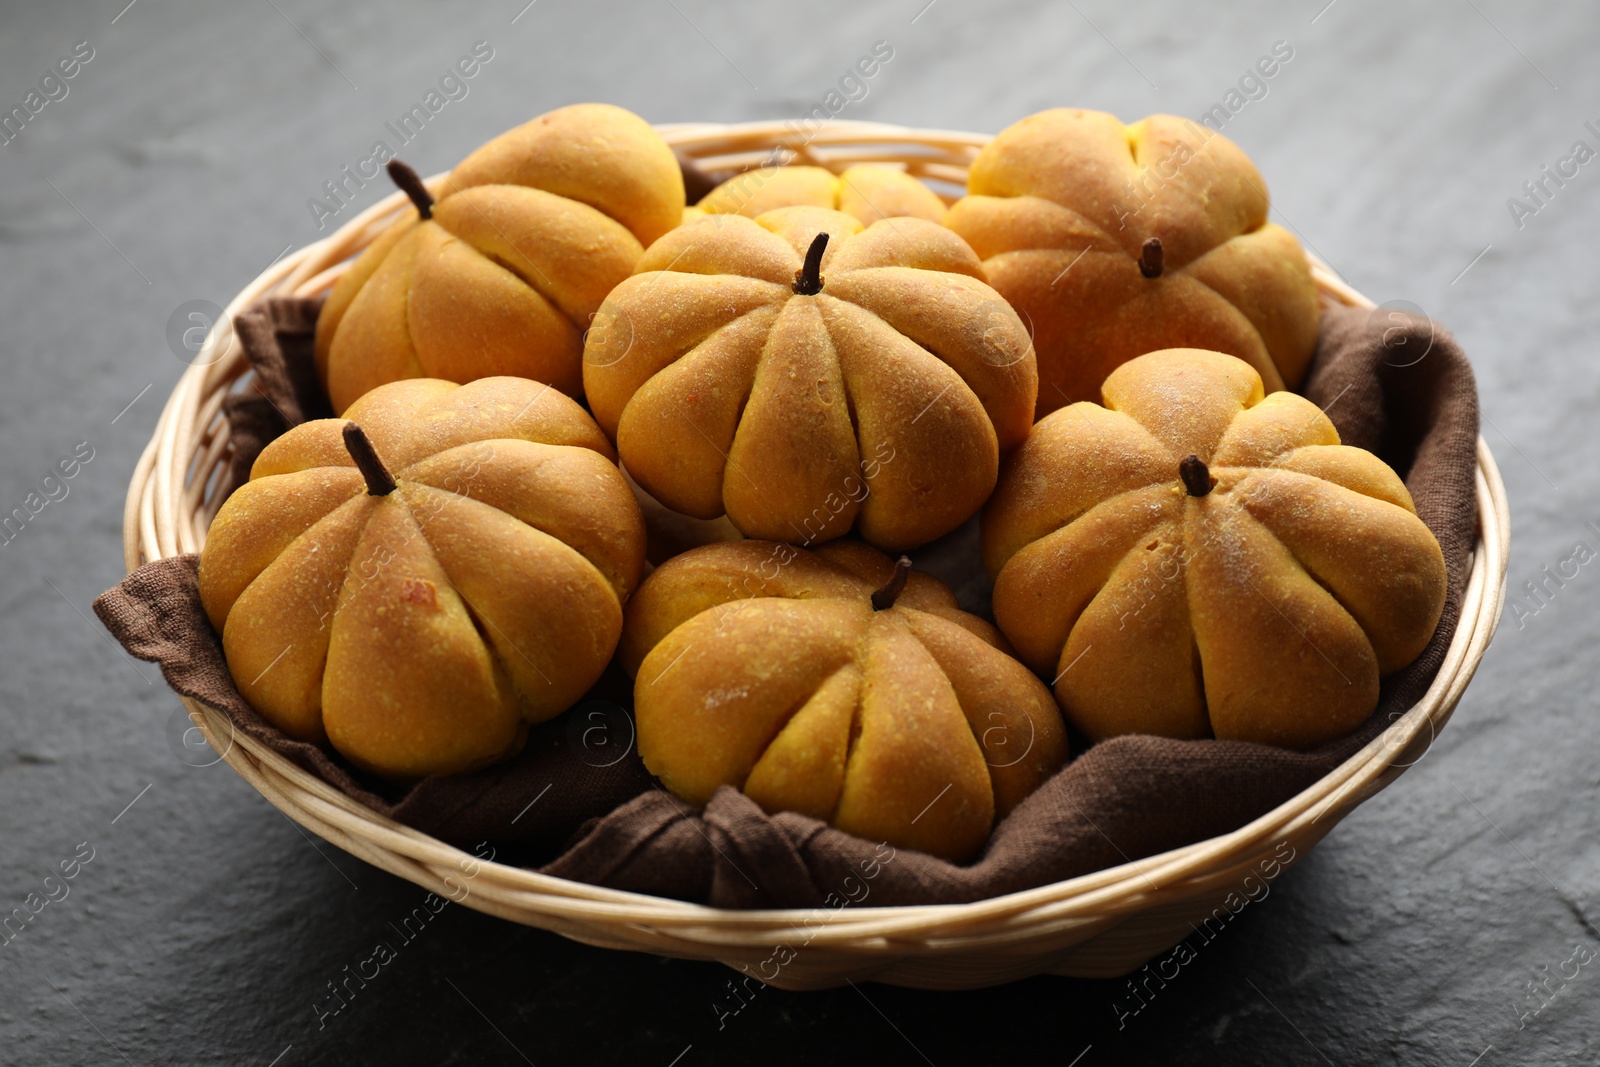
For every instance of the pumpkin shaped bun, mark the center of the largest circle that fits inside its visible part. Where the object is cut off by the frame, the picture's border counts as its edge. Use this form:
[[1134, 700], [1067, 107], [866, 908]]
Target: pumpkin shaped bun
[[419, 581], [502, 273], [1195, 559], [836, 684], [867, 192], [805, 376], [1115, 240]]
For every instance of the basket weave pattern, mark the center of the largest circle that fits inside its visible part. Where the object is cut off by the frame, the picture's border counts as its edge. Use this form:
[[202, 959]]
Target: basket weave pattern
[[1099, 925]]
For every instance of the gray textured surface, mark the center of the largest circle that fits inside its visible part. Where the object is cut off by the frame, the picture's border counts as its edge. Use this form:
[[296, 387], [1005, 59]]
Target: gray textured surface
[[206, 925]]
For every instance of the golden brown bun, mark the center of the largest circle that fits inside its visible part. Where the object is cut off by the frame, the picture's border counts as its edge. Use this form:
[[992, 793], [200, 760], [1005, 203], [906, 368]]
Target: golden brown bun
[[882, 402], [1264, 610], [1059, 208], [867, 192], [420, 631], [766, 668], [528, 235]]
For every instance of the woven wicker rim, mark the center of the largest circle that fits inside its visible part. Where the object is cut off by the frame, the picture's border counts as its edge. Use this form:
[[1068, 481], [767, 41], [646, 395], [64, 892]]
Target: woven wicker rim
[[1066, 927]]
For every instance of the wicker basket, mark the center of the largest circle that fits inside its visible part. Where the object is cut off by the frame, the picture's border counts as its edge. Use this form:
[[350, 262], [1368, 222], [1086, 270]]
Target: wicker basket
[[1099, 925]]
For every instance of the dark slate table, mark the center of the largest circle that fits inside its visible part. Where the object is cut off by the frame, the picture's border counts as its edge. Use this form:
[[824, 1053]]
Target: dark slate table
[[1440, 924]]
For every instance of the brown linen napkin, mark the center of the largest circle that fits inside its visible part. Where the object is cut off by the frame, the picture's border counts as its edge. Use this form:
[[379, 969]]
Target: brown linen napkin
[[579, 780], [285, 391]]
